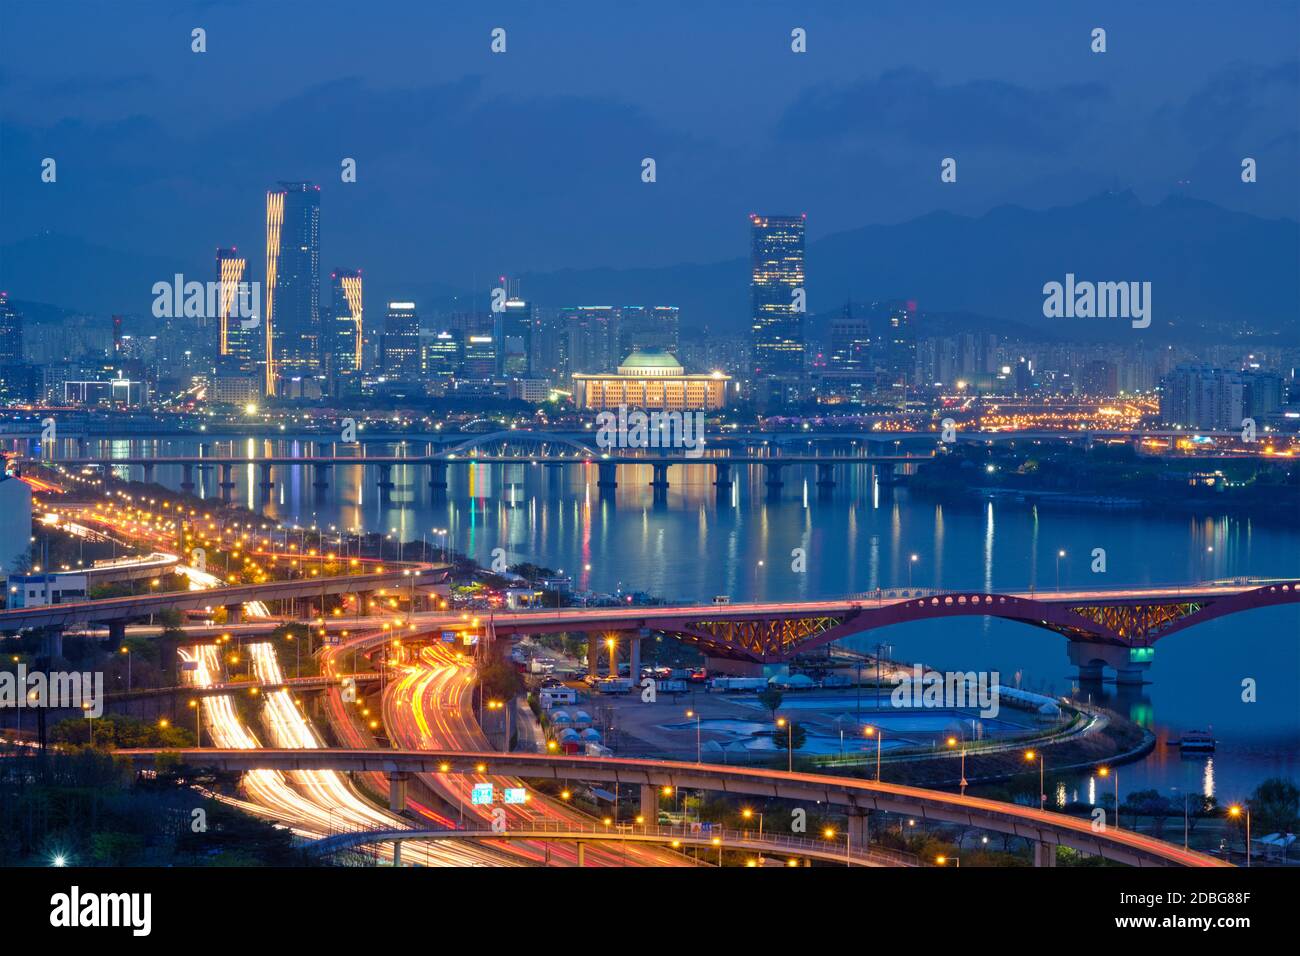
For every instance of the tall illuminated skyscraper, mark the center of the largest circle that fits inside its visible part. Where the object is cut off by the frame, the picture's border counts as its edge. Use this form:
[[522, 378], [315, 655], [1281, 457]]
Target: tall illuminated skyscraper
[[292, 312], [11, 332], [236, 345], [401, 343], [347, 331], [777, 279], [513, 330]]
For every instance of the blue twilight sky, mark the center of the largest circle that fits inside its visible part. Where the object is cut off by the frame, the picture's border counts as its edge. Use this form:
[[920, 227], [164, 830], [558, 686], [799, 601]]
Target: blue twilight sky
[[472, 164]]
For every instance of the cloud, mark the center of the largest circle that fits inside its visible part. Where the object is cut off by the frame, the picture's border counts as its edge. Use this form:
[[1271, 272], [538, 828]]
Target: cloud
[[912, 106]]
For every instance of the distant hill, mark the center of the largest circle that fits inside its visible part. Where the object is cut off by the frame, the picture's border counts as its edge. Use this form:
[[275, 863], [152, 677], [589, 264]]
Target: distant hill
[[1212, 270]]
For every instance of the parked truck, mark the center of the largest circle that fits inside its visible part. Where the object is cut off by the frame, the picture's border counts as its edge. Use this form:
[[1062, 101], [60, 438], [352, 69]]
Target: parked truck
[[734, 684]]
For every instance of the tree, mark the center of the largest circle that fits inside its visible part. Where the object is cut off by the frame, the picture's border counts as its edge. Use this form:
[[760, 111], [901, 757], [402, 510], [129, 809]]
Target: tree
[[791, 731], [500, 681], [1275, 806], [771, 698]]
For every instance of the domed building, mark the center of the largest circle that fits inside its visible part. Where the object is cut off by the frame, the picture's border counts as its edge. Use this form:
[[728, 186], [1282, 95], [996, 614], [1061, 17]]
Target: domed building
[[651, 378]]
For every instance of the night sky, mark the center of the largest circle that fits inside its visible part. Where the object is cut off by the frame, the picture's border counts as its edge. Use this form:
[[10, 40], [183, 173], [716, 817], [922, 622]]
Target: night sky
[[472, 164]]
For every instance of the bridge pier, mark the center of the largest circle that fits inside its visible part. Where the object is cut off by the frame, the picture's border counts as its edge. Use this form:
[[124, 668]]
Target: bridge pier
[[147, 468], [264, 478], [593, 655], [1091, 659], [650, 804], [660, 479], [774, 481], [606, 475], [321, 474], [859, 830], [116, 634], [1044, 853], [582, 853], [397, 780], [234, 613], [736, 668], [634, 655], [825, 475], [386, 482], [885, 474], [397, 853], [187, 478], [227, 482], [52, 644], [438, 477]]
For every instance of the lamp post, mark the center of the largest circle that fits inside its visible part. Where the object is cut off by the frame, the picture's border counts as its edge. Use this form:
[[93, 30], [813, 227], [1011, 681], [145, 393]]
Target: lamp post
[[1059, 555], [952, 742], [127, 651], [911, 561], [880, 736], [1235, 811], [696, 715], [612, 644], [1107, 772], [789, 741], [198, 725], [1032, 756]]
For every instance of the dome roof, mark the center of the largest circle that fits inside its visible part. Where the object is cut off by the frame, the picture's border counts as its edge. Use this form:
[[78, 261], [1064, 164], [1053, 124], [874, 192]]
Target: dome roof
[[650, 361]]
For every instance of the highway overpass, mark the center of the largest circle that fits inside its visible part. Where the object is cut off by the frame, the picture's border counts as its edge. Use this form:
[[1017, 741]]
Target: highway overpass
[[1043, 828]]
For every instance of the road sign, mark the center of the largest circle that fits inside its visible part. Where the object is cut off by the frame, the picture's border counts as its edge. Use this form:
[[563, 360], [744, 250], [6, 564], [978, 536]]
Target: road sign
[[349, 690], [481, 794], [449, 637], [516, 795]]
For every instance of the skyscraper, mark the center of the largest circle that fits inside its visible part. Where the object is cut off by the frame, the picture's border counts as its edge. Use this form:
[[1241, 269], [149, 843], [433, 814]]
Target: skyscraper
[[11, 332], [776, 294], [514, 335], [400, 358], [292, 312], [236, 345], [347, 330]]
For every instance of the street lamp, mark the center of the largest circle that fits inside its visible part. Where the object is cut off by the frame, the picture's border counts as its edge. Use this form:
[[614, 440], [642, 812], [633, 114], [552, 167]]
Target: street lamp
[[911, 561], [1059, 555], [1107, 772], [1235, 811], [1032, 756], [198, 727], [696, 715], [952, 742], [943, 861], [612, 644], [880, 737], [789, 740]]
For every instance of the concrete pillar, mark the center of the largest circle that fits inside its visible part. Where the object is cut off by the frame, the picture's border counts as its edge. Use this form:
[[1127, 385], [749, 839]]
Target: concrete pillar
[[859, 831], [774, 480], [385, 482], [52, 643], [438, 476], [885, 474], [593, 654], [634, 656], [660, 476], [650, 804], [825, 475], [227, 481], [397, 853], [606, 475], [234, 613], [397, 790], [582, 853], [116, 634], [1044, 853], [722, 475], [187, 478], [321, 473], [148, 472]]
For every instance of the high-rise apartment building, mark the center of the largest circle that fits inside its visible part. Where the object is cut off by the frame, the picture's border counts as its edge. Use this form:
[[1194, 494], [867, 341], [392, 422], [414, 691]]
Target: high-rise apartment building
[[11, 332]]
